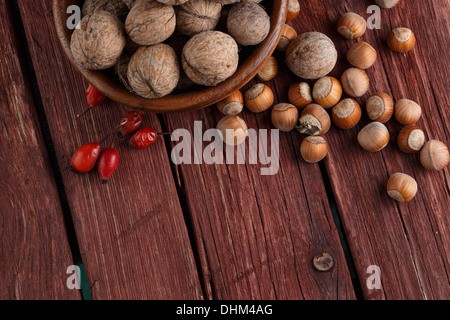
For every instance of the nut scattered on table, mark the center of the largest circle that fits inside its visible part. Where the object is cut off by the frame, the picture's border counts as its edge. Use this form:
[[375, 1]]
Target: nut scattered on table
[[355, 82], [284, 116], [314, 120], [232, 105], [327, 91], [311, 55], [434, 155], [362, 55], [401, 187], [411, 139], [346, 114], [401, 40], [234, 130], [387, 3], [407, 111], [352, 26], [258, 98], [287, 35], [313, 149], [374, 136], [300, 94], [380, 107]]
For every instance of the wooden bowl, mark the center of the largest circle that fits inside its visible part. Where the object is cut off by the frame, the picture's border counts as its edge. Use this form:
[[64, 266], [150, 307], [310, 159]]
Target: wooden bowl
[[177, 102]]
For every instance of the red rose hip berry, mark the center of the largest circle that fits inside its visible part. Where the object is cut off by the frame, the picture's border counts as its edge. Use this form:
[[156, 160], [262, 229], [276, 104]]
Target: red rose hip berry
[[130, 123], [143, 138], [84, 158], [94, 98], [107, 163]]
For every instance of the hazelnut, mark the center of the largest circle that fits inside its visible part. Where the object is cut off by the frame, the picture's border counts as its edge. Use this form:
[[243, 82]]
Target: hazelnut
[[380, 107], [154, 71], [411, 139], [287, 35], [234, 130], [269, 69], [258, 98], [387, 3], [374, 136], [248, 23], [314, 120], [352, 26], [150, 22], [231, 105], [401, 40], [196, 16], [434, 155], [401, 187], [293, 9], [99, 42], [362, 55], [312, 55], [313, 149], [355, 82], [300, 95], [407, 111], [210, 57], [346, 114], [284, 116], [117, 7], [327, 91]]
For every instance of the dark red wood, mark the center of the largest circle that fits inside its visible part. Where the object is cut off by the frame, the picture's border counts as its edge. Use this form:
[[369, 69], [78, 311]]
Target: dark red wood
[[131, 231], [257, 235], [34, 250]]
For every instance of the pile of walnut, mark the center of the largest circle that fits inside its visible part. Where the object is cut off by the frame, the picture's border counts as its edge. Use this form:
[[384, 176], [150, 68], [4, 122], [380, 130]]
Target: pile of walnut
[[135, 37], [312, 55]]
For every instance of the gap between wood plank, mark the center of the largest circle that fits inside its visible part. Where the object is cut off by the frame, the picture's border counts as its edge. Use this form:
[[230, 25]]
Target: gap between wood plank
[[29, 73], [178, 180]]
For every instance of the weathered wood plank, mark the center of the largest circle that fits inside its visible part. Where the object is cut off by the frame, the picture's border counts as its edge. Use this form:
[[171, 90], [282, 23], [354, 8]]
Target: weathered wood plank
[[34, 251], [257, 235], [131, 231], [409, 242]]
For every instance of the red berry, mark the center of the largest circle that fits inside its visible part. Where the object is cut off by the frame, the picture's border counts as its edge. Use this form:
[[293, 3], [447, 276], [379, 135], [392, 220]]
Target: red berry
[[84, 158], [94, 98], [143, 138], [130, 122], [107, 163]]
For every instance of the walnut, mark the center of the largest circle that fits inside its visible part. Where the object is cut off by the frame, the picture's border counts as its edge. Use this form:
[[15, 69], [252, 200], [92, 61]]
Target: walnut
[[99, 42], [224, 2], [118, 7], [150, 22], [173, 2], [196, 16], [154, 71], [311, 55], [210, 57], [248, 23]]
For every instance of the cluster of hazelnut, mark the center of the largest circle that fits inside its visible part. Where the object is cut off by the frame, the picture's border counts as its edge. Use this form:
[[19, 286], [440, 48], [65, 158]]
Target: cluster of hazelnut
[[312, 55], [157, 46]]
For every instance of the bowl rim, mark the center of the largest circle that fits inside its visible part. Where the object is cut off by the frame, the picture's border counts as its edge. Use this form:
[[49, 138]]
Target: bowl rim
[[179, 102]]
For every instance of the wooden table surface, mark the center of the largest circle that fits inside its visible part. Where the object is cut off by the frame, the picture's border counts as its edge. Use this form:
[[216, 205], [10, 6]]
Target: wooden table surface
[[162, 231]]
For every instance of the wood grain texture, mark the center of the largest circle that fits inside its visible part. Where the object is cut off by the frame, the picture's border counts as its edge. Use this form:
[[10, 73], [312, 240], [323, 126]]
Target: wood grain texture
[[177, 102], [34, 250], [131, 231], [409, 242], [257, 235]]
